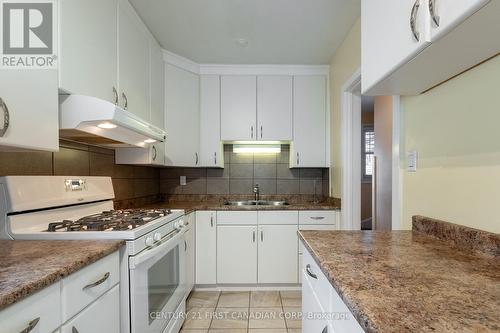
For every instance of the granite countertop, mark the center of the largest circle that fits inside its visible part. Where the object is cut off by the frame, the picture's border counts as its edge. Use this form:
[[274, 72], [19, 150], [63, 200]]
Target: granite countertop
[[410, 281], [28, 266]]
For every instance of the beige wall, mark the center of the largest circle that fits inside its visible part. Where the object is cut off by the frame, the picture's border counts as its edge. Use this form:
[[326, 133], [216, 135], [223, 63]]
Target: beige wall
[[345, 63], [455, 129]]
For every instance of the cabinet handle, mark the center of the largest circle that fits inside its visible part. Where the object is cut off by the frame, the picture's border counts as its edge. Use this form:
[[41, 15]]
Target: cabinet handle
[[253, 237], [311, 274], [432, 10], [185, 246], [6, 117], [154, 153], [125, 106], [212, 221], [317, 217], [262, 236], [115, 96], [215, 158], [413, 20], [74, 330], [325, 330], [251, 132], [298, 159], [98, 282], [31, 325], [196, 157], [261, 131]]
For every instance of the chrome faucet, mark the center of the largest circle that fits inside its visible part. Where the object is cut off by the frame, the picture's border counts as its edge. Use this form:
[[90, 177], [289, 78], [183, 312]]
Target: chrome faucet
[[256, 192]]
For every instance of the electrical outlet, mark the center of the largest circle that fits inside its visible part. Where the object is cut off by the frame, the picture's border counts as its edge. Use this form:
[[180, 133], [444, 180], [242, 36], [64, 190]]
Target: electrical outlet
[[412, 160], [183, 181]]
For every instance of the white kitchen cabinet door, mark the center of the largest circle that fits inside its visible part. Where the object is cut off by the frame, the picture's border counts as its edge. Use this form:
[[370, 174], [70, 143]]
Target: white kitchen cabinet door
[[133, 69], [206, 247], [101, 316], [88, 44], [236, 254], [157, 85], [211, 148], [387, 39], [309, 122], [274, 108], [238, 108], [190, 252], [447, 14], [29, 110], [152, 155], [182, 118], [310, 307], [278, 254]]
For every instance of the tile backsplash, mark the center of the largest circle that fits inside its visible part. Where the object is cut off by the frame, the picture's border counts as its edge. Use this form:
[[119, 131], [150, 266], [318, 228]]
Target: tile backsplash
[[242, 171], [133, 185]]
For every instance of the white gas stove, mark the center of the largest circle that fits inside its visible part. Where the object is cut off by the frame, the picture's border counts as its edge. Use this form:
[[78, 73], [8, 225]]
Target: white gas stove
[[75, 208]]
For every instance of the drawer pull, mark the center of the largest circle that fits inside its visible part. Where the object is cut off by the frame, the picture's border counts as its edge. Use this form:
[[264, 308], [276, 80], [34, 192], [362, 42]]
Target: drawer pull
[[6, 117], [74, 330], [31, 325], [413, 20], [325, 330], [311, 274], [317, 217], [98, 282]]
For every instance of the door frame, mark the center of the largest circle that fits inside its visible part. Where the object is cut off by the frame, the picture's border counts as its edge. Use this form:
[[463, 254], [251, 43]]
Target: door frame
[[350, 118]]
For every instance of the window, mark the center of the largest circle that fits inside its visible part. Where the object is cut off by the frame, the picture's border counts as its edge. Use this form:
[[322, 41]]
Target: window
[[367, 152]]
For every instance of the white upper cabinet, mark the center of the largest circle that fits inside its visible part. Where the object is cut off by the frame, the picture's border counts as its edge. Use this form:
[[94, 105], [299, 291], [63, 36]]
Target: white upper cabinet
[[274, 108], [211, 148], [133, 48], [388, 38], [29, 122], [157, 85], [410, 46], [238, 107], [447, 14], [88, 59], [182, 118], [309, 122]]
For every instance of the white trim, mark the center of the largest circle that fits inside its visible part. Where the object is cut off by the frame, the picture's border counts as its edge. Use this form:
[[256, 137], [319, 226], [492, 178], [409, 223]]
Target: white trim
[[351, 153], [397, 173], [216, 69], [267, 287], [181, 62]]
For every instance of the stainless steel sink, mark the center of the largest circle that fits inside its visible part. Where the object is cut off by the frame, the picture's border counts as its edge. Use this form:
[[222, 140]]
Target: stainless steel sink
[[256, 203]]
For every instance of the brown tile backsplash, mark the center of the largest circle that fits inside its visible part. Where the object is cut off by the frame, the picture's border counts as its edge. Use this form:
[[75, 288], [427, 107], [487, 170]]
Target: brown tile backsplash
[[134, 186], [242, 171]]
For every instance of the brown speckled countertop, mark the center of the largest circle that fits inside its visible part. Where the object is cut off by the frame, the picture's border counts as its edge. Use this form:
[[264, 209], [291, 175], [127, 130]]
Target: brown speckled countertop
[[404, 281], [28, 266]]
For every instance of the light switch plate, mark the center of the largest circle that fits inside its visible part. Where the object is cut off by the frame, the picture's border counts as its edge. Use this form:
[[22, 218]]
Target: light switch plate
[[183, 180], [412, 161]]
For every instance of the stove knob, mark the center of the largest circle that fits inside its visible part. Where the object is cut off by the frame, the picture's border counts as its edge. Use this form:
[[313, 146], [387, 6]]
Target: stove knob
[[157, 237], [176, 225], [150, 241], [181, 224]]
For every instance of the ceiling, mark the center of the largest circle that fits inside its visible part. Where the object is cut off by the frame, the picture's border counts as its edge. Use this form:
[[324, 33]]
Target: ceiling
[[275, 31]]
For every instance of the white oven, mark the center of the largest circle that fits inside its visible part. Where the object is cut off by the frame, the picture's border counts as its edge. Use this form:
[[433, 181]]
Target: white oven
[[157, 287]]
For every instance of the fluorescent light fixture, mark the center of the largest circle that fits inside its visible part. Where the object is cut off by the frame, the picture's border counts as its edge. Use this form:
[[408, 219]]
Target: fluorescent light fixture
[[263, 149], [149, 141], [106, 125]]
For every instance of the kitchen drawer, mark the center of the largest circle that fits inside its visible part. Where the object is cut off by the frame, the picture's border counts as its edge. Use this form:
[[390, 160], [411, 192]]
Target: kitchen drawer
[[237, 218], [45, 305], [77, 291], [278, 217], [101, 316], [320, 285], [318, 217]]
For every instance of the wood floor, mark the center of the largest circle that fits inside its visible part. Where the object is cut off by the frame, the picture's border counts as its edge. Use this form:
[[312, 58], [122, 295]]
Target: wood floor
[[243, 312]]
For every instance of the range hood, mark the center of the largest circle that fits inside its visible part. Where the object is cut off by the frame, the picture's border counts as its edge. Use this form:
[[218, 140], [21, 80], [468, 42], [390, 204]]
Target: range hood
[[98, 122]]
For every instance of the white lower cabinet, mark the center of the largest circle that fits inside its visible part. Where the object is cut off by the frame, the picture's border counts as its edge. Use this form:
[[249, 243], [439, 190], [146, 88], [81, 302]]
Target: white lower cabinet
[[102, 316], [236, 254], [277, 259], [311, 309], [206, 247], [189, 248]]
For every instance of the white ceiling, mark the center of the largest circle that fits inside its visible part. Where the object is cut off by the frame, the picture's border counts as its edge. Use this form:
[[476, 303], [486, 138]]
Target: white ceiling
[[277, 31]]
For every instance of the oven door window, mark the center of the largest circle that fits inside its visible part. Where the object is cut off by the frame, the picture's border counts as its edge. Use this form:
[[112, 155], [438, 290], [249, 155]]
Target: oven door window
[[163, 281]]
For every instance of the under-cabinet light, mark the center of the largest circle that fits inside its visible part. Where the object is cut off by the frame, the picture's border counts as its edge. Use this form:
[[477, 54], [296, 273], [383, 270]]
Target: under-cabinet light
[[106, 125], [264, 149]]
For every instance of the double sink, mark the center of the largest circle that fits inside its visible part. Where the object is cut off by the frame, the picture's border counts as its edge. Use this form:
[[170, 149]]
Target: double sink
[[256, 203]]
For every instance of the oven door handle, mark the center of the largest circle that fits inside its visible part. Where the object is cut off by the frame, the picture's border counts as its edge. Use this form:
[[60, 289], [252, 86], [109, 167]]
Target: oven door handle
[[165, 245]]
